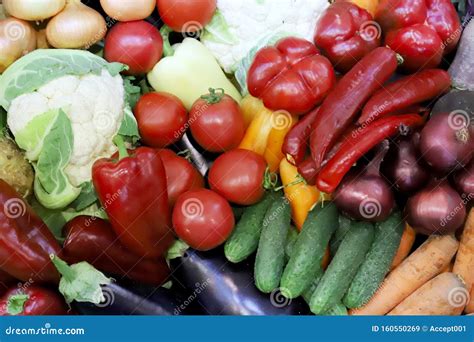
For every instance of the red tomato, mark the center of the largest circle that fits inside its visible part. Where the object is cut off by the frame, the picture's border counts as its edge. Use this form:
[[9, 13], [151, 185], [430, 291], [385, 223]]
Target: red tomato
[[137, 44], [186, 15], [39, 301], [216, 123], [203, 219], [161, 119], [181, 175], [238, 176]]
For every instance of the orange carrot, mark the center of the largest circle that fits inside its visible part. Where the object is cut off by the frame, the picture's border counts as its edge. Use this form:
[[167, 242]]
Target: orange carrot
[[421, 266], [406, 244], [464, 264]]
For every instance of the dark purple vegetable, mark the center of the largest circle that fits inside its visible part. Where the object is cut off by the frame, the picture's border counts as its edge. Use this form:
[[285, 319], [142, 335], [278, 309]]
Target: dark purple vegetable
[[447, 142], [402, 165], [366, 195], [456, 100], [464, 181], [437, 209]]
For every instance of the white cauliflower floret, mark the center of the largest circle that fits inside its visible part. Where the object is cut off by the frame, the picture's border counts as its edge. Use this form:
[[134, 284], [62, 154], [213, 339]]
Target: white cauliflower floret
[[94, 105], [251, 20]]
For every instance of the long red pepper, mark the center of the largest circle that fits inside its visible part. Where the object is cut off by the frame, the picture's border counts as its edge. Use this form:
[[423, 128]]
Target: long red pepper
[[406, 92], [132, 190], [346, 99], [25, 241], [94, 240], [359, 143], [297, 139]]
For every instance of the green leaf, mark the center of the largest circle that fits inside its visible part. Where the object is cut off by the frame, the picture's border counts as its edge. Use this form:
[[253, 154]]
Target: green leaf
[[42, 66], [3, 122], [16, 303], [132, 91], [52, 187], [218, 31], [177, 250], [129, 126], [87, 197], [80, 282], [244, 65]]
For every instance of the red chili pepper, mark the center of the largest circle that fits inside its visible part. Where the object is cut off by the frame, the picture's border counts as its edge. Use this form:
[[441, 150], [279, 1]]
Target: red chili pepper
[[359, 143], [25, 241], [345, 33], [93, 240], [421, 31], [31, 300], [406, 92], [132, 190], [347, 98], [291, 76], [307, 170], [297, 139], [6, 280]]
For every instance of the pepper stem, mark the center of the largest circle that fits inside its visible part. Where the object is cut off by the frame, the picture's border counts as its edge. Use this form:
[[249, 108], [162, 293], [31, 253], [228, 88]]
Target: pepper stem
[[214, 96], [165, 34], [299, 180], [63, 268], [122, 149], [270, 180]]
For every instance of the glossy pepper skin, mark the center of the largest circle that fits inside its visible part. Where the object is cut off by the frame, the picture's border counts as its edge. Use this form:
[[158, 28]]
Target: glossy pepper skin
[[345, 33], [406, 92], [359, 143], [291, 76], [94, 240], [421, 31], [347, 98], [132, 190], [32, 300], [26, 243]]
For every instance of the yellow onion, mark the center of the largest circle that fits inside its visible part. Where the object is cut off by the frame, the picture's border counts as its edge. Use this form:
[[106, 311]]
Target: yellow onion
[[33, 10], [77, 26], [41, 40], [17, 38], [128, 10]]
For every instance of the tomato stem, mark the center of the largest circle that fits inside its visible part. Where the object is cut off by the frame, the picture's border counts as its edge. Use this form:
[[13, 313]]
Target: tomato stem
[[214, 96], [270, 180]]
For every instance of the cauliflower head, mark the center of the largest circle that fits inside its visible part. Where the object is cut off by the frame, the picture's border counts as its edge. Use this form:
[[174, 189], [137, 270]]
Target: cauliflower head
[[239, 26], [65, 118]]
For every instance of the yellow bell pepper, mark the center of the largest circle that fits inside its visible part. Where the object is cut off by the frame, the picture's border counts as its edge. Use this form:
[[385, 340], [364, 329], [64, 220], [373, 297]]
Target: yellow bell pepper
[[302, 197], [266, 130], [369, 5]]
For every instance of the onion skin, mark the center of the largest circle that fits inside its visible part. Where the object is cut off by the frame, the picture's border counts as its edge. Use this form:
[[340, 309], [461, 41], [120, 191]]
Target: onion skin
[[76, 27], [402, 166], [366, 196], [447, 141], [128, 10], [17, 38], [33, 10], [437, 209], [464, 182]]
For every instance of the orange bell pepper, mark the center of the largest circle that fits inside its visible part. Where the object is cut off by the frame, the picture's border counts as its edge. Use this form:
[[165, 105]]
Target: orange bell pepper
[[369, 5], [302, 197]]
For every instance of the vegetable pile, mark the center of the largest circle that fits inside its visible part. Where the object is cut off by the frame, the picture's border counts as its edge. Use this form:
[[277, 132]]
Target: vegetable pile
[[326, 146]]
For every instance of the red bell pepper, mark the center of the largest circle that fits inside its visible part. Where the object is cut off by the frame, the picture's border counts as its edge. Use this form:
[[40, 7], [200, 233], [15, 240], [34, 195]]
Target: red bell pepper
[[345, 33], [421, 31], [405, 93], [93, 240], [360, 142], [345, 101], [297, 139], [132, 190], [25, 241], [31, 300], [291, 76]]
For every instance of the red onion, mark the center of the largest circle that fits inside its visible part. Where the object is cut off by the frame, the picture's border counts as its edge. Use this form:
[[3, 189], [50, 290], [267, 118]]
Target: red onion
[[437, 209], [402, 165], [366, 196], [447, 141], [464, 181]]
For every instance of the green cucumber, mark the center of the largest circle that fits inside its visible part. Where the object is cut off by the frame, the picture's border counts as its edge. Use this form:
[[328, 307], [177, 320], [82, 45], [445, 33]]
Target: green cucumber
[[343, 267], [377, 262], [309, 250], [314, 284], [344, 227], [270, 258], [337, 310], [290, 242], [244, 239]]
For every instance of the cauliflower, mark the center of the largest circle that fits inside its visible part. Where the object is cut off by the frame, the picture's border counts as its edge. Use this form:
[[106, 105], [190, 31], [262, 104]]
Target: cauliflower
[[65, 117], [239, 26]]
